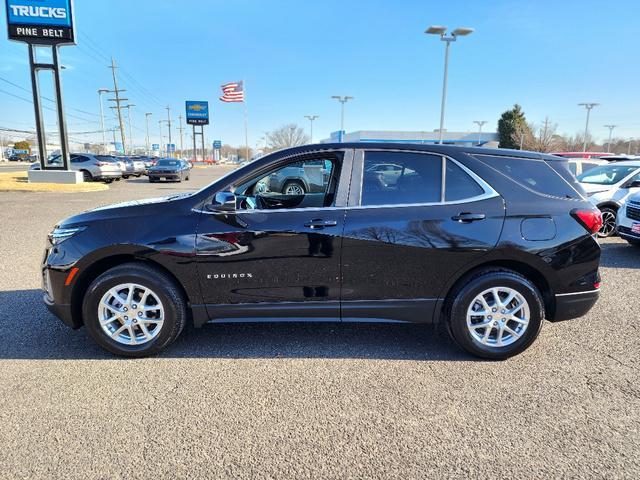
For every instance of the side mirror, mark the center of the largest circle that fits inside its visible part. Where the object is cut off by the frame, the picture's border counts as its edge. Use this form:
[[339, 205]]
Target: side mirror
[[223, 202]]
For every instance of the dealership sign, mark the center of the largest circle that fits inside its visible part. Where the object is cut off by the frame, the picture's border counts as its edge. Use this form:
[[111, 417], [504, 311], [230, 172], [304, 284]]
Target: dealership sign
[[41, 22], [197, 113]]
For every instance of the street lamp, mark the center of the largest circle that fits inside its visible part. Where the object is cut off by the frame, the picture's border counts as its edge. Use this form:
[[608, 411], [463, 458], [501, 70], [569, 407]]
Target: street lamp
[[342, 100], [147, 115], [160, 122], [442, 31], [104, 135], [480, 123], [311, 118], [588, 106], [128, 107], [610, 127]]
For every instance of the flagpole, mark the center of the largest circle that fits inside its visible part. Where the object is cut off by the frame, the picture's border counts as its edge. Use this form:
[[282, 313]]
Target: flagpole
[[246, 122]]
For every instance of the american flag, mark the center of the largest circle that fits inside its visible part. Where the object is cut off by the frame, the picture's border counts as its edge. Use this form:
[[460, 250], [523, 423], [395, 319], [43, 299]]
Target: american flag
[[232, 92]]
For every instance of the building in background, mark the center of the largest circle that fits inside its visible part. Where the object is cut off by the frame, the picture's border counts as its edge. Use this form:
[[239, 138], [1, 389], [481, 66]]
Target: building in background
[[388, 136]]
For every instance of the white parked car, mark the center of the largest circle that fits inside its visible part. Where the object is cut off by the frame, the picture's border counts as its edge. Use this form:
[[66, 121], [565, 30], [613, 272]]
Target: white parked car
[[608, 187], [578, 166], [629, 220]]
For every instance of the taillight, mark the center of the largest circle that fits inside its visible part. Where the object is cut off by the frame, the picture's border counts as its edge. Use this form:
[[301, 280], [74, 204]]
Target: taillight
[[591, 219], [101, 164]]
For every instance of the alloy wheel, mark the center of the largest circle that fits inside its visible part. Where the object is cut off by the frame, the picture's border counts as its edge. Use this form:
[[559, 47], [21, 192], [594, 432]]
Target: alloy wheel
[[498, 317], [608, 223], [293, 189], [131, 314]]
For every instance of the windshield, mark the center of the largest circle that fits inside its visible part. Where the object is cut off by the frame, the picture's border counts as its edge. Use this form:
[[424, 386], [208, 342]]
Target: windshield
[[607, 174], [168, 163]]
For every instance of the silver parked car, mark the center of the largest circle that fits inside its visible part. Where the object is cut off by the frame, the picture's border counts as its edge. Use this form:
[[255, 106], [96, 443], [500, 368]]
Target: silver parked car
[[134, 167], [608, 187], [93, 167]]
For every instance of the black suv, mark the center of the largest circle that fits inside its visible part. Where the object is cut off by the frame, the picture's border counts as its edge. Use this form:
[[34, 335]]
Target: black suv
[[491, 242]]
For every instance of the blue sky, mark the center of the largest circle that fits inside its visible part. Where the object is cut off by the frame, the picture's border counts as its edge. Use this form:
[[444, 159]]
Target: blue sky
[[546, 55]]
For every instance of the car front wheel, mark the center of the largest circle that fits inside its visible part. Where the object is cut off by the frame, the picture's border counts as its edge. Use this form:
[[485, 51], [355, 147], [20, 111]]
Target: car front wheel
[[496, 314], [134, 310], [293, 188], [609, 216]]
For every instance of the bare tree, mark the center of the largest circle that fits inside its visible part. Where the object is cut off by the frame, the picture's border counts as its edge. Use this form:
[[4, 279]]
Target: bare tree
[[290, 135], [541, 138]]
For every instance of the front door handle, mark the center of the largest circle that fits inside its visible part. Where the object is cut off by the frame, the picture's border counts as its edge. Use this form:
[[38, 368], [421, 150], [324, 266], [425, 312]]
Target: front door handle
[[466, 217], [319, 224]]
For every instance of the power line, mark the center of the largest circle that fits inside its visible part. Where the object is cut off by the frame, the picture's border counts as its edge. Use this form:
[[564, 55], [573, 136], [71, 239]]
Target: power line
[[43, 106], [45, 98]]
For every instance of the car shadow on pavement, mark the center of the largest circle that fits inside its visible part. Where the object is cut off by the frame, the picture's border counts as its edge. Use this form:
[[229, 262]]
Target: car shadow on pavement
[[29, 331], [619, 255]]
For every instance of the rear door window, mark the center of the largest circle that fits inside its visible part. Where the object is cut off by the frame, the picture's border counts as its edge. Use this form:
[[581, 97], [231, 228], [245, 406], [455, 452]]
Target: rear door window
[[396, 178], [459, 184]]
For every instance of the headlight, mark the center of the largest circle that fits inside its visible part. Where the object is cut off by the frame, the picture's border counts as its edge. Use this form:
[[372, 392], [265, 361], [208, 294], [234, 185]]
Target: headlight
[[59, 235]]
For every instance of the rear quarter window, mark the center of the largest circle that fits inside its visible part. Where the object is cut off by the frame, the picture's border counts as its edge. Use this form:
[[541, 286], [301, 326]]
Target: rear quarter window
[[551, 178]]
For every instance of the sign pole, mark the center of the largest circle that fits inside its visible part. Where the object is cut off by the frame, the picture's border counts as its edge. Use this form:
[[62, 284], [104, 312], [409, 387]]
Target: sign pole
[[62, 123], [195, 155], [42, 149]]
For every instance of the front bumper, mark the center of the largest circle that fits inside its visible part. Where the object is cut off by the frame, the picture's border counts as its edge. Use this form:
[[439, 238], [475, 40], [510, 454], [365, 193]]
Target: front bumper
[[573, 305], [52, 290], [627, 234], [166, 176]]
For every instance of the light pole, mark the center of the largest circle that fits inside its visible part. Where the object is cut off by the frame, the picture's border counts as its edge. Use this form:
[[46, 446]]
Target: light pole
[[104, 135], [311, 118], [480, 123], [629, 147], [169, 125], [342, 100], [161, 140], [442, 31], [128, 107], [588, 106], [147, 115], [610, 127]]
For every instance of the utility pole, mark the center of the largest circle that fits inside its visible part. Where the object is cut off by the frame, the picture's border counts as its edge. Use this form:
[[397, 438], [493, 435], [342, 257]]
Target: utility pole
[[147, 115], [342, 100], [610, 127], [118, 101], [311, 118], [588, 106], [169, 123], [181, 129], [480, 123]]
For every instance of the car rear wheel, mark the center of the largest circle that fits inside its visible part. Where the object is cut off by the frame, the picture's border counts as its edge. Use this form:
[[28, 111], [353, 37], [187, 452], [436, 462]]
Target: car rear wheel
[[134, 310], [293, 188], [86, 176], [495, 314], [108, 180], [609, 216]]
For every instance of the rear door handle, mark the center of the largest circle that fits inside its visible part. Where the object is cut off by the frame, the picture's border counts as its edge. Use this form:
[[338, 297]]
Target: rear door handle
[[319, 224], [466, 217]]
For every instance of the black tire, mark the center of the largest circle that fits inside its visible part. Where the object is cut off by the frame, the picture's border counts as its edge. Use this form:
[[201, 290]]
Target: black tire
[[86, 176], [291, 183], [462, 297], [108, 180], [168, 292], [609, 216], [152, 180]]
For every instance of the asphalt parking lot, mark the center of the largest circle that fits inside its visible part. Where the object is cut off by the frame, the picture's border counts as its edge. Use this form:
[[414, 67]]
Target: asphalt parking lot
[[307, 400]]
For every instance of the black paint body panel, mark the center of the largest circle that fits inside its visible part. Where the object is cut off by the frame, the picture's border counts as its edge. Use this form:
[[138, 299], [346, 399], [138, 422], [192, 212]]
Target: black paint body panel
[[391, 263]]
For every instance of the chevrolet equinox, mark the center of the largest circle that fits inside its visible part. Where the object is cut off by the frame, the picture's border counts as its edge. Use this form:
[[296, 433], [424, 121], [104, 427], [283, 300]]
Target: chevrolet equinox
[[490, 242]]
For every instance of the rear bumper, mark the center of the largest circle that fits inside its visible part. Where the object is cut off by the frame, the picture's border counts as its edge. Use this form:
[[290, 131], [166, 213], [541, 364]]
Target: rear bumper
[[573, 305], [103, 175]]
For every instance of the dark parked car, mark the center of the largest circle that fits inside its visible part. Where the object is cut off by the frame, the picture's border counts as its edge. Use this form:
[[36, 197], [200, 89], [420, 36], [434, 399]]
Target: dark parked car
[[169, 169], [490, 242]]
